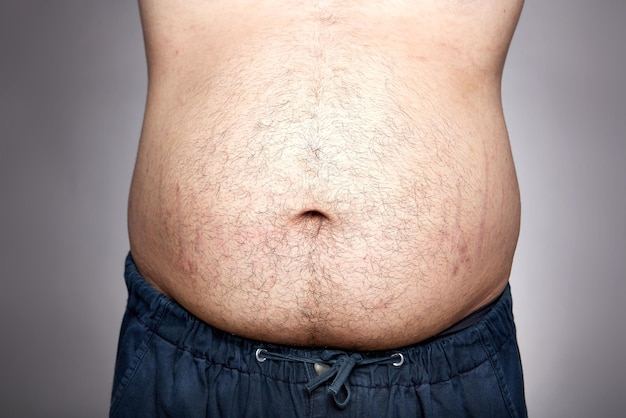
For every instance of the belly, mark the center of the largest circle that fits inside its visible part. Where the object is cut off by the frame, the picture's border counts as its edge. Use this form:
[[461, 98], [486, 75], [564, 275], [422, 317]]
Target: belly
[[341, 199]]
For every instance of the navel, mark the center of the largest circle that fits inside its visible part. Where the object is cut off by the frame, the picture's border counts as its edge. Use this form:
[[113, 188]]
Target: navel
[[312, 221]]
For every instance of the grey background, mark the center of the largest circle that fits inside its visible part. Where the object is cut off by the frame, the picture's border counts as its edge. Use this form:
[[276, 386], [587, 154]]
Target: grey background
[[72, 91]]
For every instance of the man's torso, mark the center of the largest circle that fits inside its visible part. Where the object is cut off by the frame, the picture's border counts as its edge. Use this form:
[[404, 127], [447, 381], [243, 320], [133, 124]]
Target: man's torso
[[326, 173]]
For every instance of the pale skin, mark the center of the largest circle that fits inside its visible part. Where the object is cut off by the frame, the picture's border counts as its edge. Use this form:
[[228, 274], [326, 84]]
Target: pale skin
[[326, 173]]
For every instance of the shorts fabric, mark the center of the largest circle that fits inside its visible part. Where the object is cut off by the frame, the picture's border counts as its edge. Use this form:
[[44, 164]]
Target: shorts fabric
[[171, 364]]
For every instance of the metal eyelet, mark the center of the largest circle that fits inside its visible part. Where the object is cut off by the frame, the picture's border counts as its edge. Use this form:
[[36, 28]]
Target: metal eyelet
[[258, 356], [400, 362]]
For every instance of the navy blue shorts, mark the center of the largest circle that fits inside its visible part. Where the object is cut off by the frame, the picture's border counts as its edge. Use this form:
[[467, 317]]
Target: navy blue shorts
[[171, 364]]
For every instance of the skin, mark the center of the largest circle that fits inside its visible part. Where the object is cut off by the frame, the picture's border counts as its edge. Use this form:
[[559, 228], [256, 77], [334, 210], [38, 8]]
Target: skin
[[326, 173]]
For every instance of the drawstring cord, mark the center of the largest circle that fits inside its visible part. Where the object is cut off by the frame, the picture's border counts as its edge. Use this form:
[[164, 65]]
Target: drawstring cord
[[341, 365]]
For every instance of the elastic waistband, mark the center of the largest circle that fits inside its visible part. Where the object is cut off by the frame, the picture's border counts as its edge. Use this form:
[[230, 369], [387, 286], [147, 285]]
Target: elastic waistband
[[427, 362]]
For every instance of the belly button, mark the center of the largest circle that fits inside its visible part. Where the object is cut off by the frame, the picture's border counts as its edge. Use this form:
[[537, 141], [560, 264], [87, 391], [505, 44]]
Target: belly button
[[314, 214]]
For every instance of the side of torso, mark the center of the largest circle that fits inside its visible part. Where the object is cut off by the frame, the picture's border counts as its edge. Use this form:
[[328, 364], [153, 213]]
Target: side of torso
[[326, 173]]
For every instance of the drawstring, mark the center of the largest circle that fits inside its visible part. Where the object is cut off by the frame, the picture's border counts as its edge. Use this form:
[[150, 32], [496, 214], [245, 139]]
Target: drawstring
[[342, 365]]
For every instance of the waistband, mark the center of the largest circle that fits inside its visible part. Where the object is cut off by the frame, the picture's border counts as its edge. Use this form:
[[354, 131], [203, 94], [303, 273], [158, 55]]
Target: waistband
[[437, 360]]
